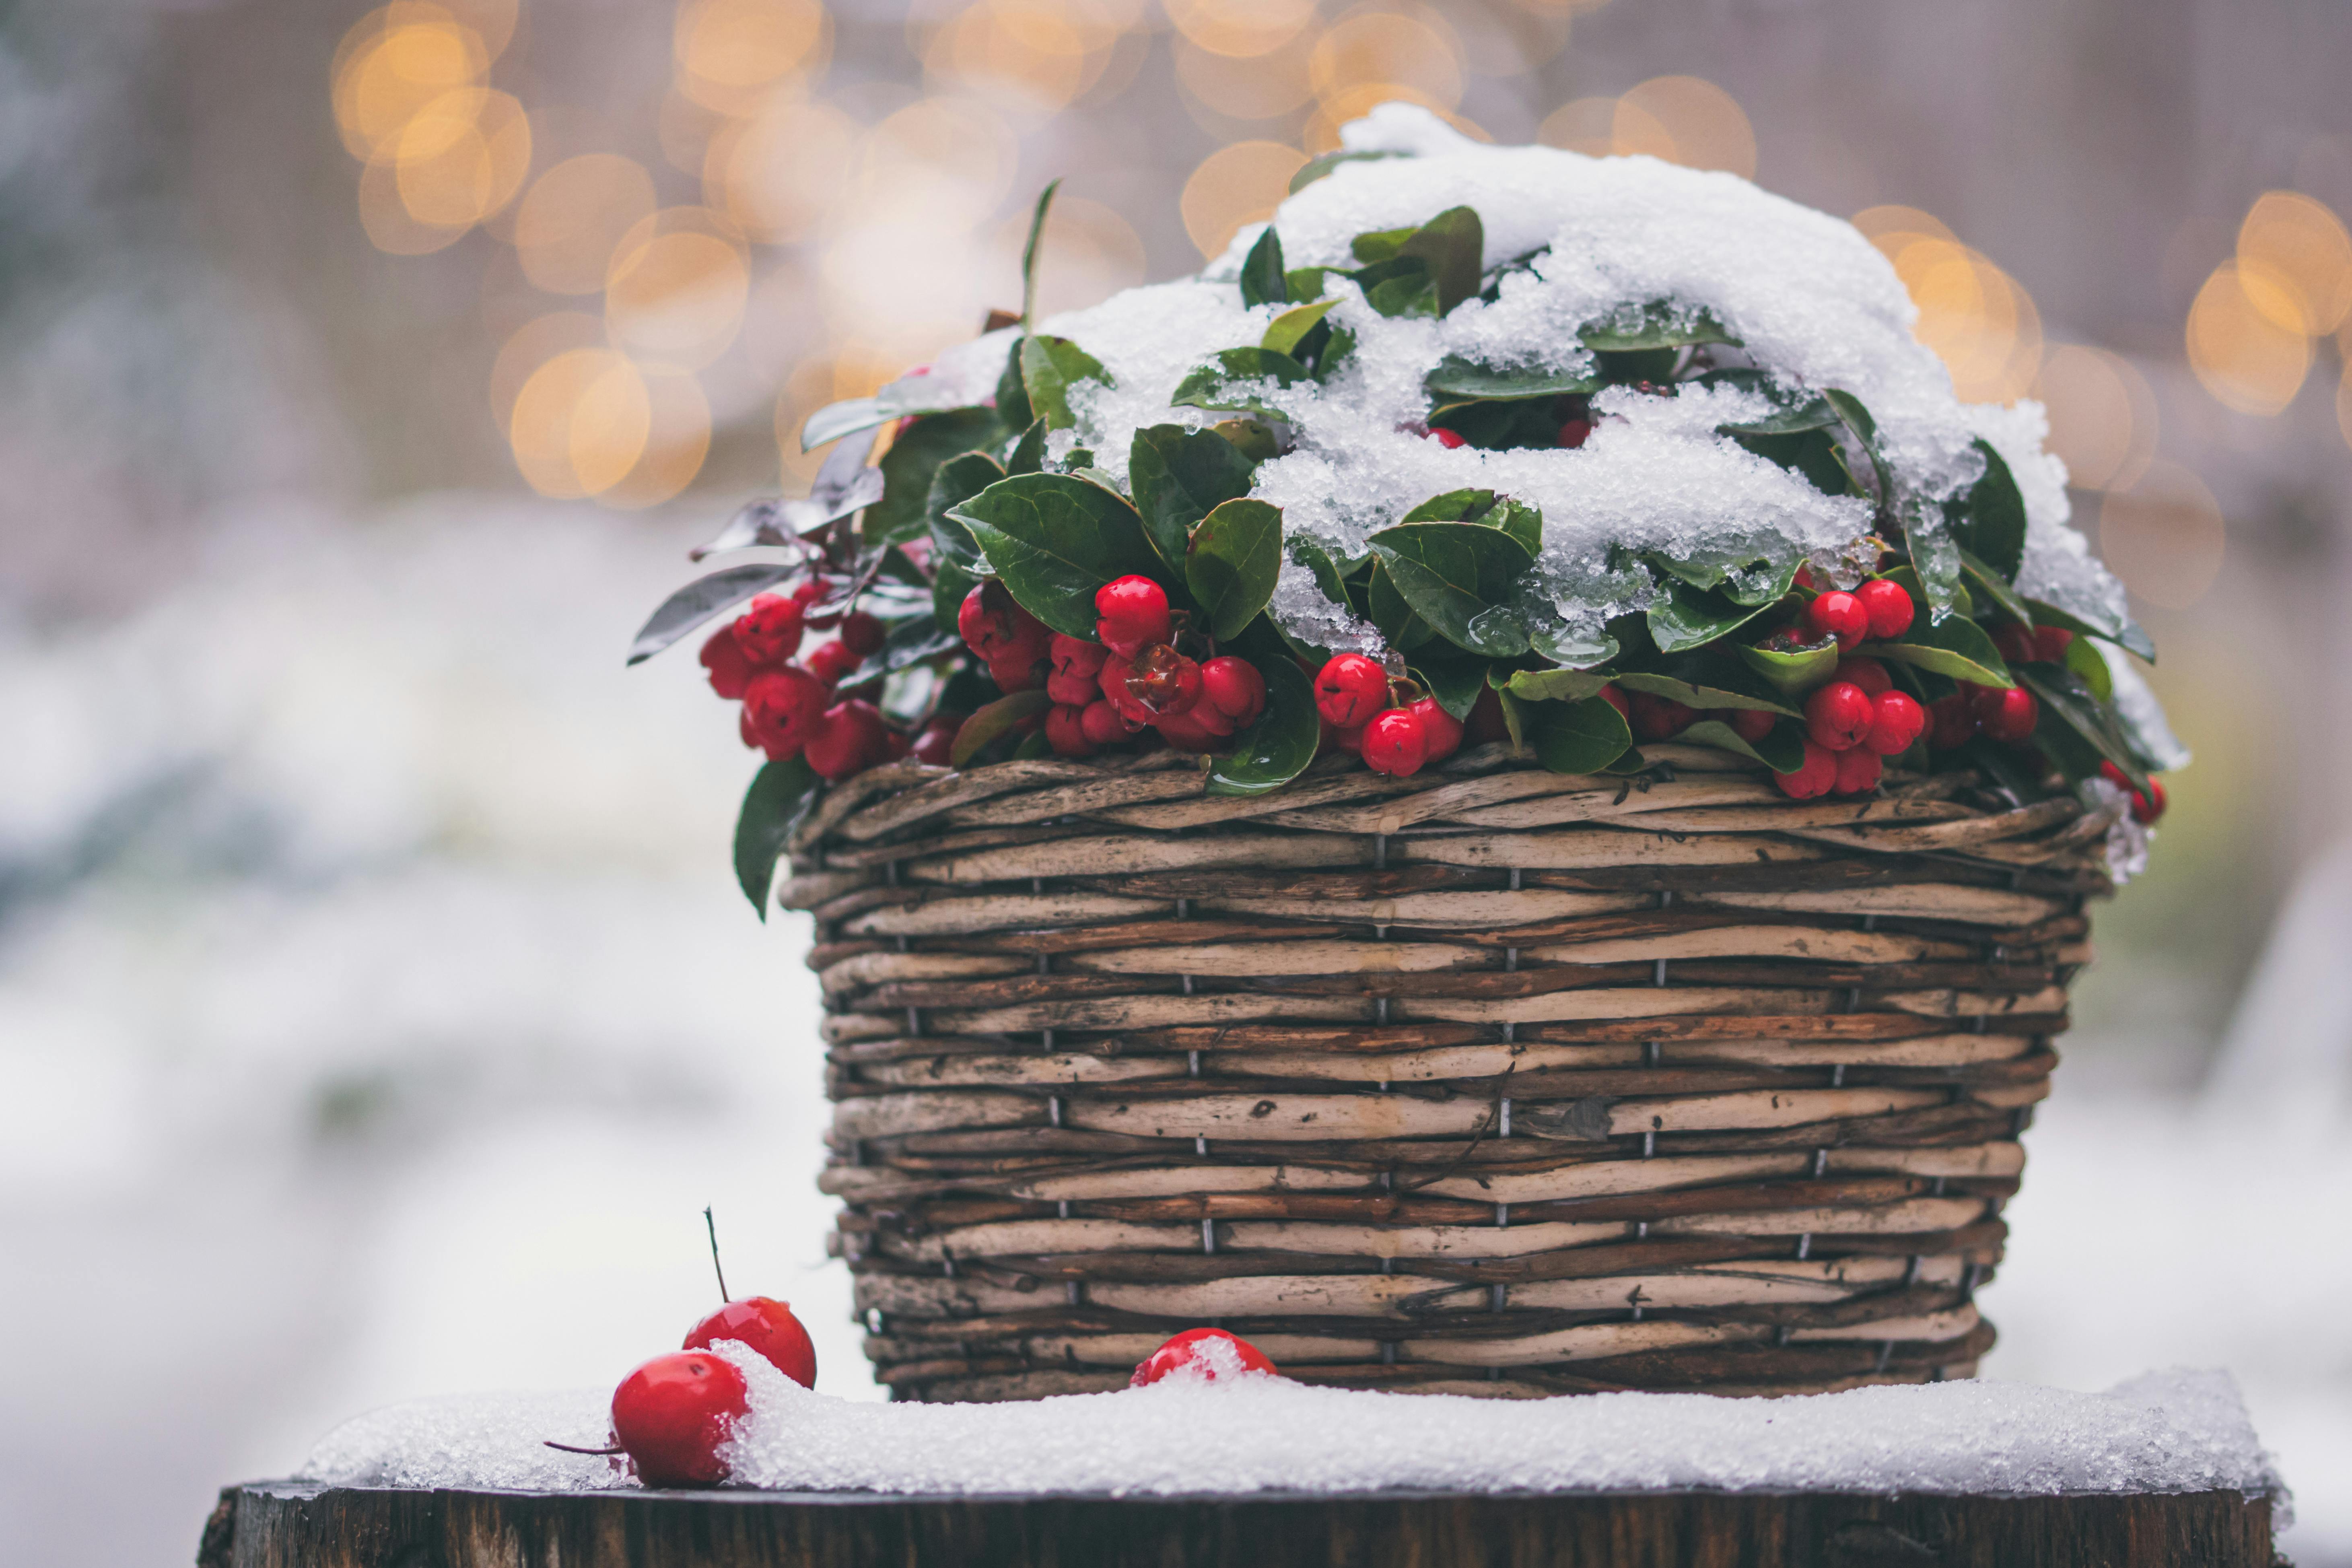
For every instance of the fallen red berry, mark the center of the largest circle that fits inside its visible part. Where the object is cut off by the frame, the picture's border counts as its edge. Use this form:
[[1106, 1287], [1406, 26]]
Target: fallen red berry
[[1816, 777], [832, 662], [1066, 731], [781, 710], [1656, 717], [1205, 1353], [1895, 722], [1131, 612], [730, 668], [2008, 715], [1573, 432], [1234, 688], [1952, 722], [1751, 725], [769, 632], [1838, 715], [673, 1414], [1857, 770], [1441, 731], [863, 634], [768, 1327], [1839, 615], [1350, 688], [1866, 673], [848, 739], [1888, 605], [1395, 742]]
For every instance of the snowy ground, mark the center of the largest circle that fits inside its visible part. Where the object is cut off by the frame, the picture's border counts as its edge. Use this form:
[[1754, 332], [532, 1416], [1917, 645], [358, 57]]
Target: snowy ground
[[377, 1015]]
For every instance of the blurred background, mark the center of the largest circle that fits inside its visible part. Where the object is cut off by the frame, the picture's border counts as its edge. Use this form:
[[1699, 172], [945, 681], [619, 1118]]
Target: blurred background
[[376, 1009]]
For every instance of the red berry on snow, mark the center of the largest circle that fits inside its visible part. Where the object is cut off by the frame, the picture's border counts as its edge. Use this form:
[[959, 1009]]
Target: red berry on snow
[[781, 709], [1656, 717], [770, 631], [938, 740], [1816, 777], [1839, 615], [1443, 730], [1574, 432], [1751, 725], [1838, 715], [1206, 1354], [1952, 722], [1235, 687], [832, 662], [863, 634], [2008, 715], [673, 1414], [1350, 688], [1866, 673], [1395, 742], [1858, 771], [848, 739], [1895, 722], [1066, 731], [2050, 643], [1449, 439], [1888, 605], [1487, 722], [730, 665], [769, 1327], [1132, 612]]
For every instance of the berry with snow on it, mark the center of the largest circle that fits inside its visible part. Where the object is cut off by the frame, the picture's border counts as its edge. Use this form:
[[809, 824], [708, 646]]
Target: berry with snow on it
[[730, 668], [1349, 689], [1895, 722], [769, 1327], [2147, 805], [1234, 688], [1952, 722], [1204, 1354], [769, 632], [994, 626], [848, 739], [1575, 432], [1656, 717], [1066, 731], [1888, 605], [672, 1415], [2006, 715], [1816, 777], [1100, 723], [937, 741], [1395, 742], [1858, 771], [1131, 612], [1162, 682], [1838, 615], [1866, 673], [1838, 715], [863, 634], [2050, 643], [832, 662], [1441, 729], [1751, 725], [781, 710]]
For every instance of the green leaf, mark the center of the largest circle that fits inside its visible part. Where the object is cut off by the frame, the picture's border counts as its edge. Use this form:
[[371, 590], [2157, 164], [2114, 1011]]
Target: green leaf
[[1988, 519], [911, 463], [1580, 737], [1413, 294], [1812, 454], [1694, 694], [1220, 385], [1336, 347], [1379, 244], [1554, 685], [1794, 671], [1455, 683], [1029, 258], [1521, 522], [1656, 325], [1456, 380], [1049, 368], [1956, 647], [1317, 167], [1234, 556], [773, 807], [1690, 617], [1994, 586], [1753, 581], [1277, 748], [1794, 410], [1962, 603], [1252, 438], [956, 565], [2121, 630], [1011, 394], [2087, 662], [1285, 332], [993, 721], [1304, 283], [1936, 556], [1782, 750], [1027, 454], [1054, 539], [910, 643], [1391, 616], [835, 420], [1460, 579], [1453, 245], [1263, 282], [1552, 634], [1310, 553], [2086, 733], [1180, 477]]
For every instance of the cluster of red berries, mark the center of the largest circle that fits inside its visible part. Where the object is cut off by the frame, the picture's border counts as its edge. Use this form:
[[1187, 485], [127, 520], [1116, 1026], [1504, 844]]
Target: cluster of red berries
[[1854, 722], [797, 708], [1354, 698], [1135, 678]]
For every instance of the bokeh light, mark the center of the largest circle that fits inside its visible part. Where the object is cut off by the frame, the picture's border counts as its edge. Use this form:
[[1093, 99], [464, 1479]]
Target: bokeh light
[[778, 174], [2302, 249], [1980, 321], [532, 344], [674, 291], [1260, 86], [1683, 120], [574, 215], [2163, 537], [1034, 56], [678, 439], [947, 160], [1240, 28], [2246, 342], [732, 53], [1372, 57], [2103, 417], [392, 63], [1090, 252], [461, 158], [1234, 186], [580, 422]]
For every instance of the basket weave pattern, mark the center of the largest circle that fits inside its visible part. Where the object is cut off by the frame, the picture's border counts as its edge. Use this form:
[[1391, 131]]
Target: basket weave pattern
[[1489, 1081]]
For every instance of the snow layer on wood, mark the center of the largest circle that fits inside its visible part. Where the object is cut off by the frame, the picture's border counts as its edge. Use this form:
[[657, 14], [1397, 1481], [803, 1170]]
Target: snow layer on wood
[[2179, 1431]]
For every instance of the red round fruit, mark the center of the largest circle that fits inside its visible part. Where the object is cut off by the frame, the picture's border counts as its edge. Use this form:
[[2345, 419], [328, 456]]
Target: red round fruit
[[1816, 777], [809, 590], [2050, 643], [1330, 737], [1204, 1354], [1350, 688], [1888, 605], [848, 739], [1449, 439], [1487, 722], [1078, 690], [729, 667], [937, 741], [1895, 722], [781, 710], [1444, 731], [1952, 722], [743, 728], [2008, 715], [1076, 656], [1187, 732], [1131, 611], [768, 1327], [863, 634], [1751, 725], [1113, 684], [1101, 722], [1615, 699], [1066, 731], [2145, 806], [1022, 669], [1857, 770], [831, 662], [1162, 682], [1656, 717], [1233, 687], [2013, 642], [1838, 715], [1804, 578], [1839, 615], [674, 1412], [770, 631], [994, 626], [1395, 742], [1574, 432], [1866, 673]]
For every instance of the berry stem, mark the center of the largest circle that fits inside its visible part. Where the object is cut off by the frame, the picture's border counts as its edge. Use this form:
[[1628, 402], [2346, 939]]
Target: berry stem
[[712, 1226]]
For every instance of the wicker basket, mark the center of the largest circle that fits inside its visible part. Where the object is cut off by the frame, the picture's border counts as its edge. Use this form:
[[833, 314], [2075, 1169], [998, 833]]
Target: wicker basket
[[1489, 1081]]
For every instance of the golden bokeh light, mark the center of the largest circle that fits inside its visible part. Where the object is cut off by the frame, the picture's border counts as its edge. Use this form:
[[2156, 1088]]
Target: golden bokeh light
[[675, 292], [2241, 344], [461, 158], [1259, 86], [678, 439], [1884, 226], [1372, 57], [386, 220], [1240, 28], [1234, 186], [573, 216], [2303, 248], [731, 53], [778, 174], [1032, 55], [948, 160], [2103, 417], [532, 344], [1089, 253], [392, 63], [580, 423], [1586, 125], [2163, 537], [1978, 319], [2344, 404], [1683, 120]]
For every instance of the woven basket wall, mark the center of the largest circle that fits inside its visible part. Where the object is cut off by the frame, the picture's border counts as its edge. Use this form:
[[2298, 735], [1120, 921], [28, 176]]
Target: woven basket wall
[[1489, 1081]]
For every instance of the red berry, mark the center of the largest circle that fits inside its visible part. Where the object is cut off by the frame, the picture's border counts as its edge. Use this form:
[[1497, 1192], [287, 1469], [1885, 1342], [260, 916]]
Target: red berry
[[1131, 611], [1449, 439], [1866, 673], [1574, 432], [1066, 731], [1186, 732], [1395, 742], [1858, 771], [1838, 715], [1100, 723], [1656, 717], [743, 728], [1234, 688], [1075, 690], [1161, 681], [2014, 642], [937, 741], [781, 710], [1615, 699], [2008, 715], [994, 626], [1751, 725], [848, 739], [1076, 656], [2145, 806], [770, 631], [1113, 684], [1022, 669], [1349, 689], [862, 634], [1804, 578], [730, 665], [1888, 605], [769, 1327], [1816, 777], [2050, 643], [1204, 1354], [1839, 615], [1331, 737], [673, 1414], [1487, 722], [831, 662], [1953, 722], [1441, 729], [1895, 722], [809, 590]]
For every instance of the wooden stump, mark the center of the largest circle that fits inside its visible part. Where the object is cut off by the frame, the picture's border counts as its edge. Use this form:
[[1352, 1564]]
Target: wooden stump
[[293, 1524]]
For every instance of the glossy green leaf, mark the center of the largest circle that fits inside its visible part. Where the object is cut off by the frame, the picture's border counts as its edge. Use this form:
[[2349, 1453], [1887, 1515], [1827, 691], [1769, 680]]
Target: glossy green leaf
[[1782, 749], [1455, 683], [1460, 579], [993, 721], [1656, 325], [1554, 685], [1029, 258], [909, 642], [1690, 617], [1376, 246], [1049, 368], [1963, 603], [1812, 454], [1230, 382], [1453, 245], [1027, 454], [1317, 167], [1337, 347], [1413, 294], [1794, 410], [1179, 476], [1579, 737], [1552, 635], [1235, 555], [1935, 554], [1284, 333], [2069, 709], [1391, 616], [956, 565], [2122, 631], [911, 463], [1277, 748], [1310, 553], [1857, 419], [1988, 519], [1252, 438], [2087, 662], [1993, 586], [1794, 671], [773, 807], [1262, 280], [1054, 539], [1485, 507], [1956, 646], [1457, 379], [1696, 694], [1303, 283]]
